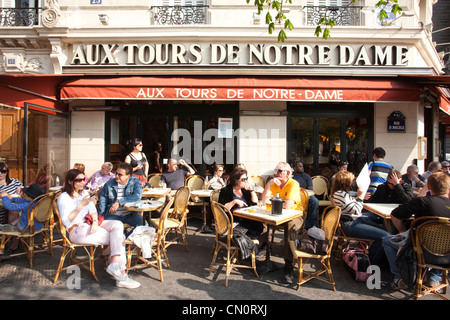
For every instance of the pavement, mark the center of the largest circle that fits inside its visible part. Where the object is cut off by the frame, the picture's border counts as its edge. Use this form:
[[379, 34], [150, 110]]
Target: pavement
[[187, 281]]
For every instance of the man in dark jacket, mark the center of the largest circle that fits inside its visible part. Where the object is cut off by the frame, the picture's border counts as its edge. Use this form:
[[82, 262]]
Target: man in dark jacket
[[394, 190]]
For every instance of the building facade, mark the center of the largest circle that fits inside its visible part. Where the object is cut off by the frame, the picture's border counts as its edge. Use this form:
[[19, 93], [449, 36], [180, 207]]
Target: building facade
[[204, 78]]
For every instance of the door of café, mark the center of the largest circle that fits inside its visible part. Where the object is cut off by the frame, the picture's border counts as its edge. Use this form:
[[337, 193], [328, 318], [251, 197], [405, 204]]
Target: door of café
[[322, 135]]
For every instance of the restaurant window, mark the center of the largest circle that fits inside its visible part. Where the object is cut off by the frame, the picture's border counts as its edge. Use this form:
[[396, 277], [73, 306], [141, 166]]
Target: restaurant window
[[161, 120], [47, 148], [320, 137]]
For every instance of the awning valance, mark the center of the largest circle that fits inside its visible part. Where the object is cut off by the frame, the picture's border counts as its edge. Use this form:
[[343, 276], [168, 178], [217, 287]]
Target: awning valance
[[241, 88], [40, 92]]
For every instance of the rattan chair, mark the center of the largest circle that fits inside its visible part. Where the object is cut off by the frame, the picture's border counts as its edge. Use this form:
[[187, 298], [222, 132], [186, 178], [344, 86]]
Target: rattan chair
[[158, 247], [70, 247], [39, 210], [154, 179], [259, 180], [431, 242], [214, 196], [224, 239], [329, 223], [320, 188], [177, 220], [196, 182]]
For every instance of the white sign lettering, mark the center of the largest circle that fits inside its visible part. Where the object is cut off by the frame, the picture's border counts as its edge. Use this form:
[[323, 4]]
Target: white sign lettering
[[178, 54]]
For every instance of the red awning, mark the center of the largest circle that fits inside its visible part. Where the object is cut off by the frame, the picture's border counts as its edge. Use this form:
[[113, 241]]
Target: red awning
[[41, 92], [241, 88]]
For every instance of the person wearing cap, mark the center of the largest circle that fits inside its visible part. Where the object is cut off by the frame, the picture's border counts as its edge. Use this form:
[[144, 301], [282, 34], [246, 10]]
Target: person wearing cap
[[446, 167], [21, 205]]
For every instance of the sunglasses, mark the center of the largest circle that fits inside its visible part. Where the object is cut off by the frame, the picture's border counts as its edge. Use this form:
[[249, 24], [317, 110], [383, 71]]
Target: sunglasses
[[278, 171], [78, 180], [4, 171]]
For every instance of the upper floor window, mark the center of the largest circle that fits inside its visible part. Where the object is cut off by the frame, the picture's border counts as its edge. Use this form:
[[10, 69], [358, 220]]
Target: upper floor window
[[180, 12], [19, 13], [341, 11]]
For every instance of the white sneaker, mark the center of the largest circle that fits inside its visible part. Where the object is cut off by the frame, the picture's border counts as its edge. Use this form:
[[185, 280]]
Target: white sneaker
[[114, 270], [128, 283]]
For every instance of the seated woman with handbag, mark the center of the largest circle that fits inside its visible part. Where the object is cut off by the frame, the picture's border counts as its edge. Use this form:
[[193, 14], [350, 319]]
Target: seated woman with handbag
[[351, 215], [238, 194], [85, 226]]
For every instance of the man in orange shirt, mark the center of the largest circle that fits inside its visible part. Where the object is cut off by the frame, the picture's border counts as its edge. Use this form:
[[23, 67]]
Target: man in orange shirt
[[289, 190]]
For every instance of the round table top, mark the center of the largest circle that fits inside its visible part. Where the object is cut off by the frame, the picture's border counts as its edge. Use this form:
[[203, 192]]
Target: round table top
[[201, 193], [143, 205]]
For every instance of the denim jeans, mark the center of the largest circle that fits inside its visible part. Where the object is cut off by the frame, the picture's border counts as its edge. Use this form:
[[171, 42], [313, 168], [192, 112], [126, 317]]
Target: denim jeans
[[364, 227], [313, 209], [391, 248]]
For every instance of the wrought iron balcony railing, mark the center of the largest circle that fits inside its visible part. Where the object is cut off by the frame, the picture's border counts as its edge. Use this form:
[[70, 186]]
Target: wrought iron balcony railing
[[179, 15], [23, 17], [343, 16]]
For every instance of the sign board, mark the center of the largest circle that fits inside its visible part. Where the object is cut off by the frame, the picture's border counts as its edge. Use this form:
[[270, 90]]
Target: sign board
[[225, 128], [396, 122]]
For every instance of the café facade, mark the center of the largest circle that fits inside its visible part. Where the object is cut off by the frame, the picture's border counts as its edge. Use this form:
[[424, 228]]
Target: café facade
[[86, 78]]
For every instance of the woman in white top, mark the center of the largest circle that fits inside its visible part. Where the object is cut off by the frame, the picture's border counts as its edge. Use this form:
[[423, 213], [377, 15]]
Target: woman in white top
[[351, 215], [216, 181], [74, 204]]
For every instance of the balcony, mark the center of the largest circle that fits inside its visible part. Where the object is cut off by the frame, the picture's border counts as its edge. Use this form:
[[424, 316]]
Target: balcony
[[343, 16], [179, 15], [23, 17]]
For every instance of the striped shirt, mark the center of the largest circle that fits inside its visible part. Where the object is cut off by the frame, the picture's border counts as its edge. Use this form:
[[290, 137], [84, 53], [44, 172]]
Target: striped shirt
[[379, 171], [349, 206], [11, 188]]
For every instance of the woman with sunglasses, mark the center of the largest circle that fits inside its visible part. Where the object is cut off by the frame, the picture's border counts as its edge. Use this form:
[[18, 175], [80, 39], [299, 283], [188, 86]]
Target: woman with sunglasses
[[74, 205], [238, 194], [7, 184], [216, 181], [138, 160]]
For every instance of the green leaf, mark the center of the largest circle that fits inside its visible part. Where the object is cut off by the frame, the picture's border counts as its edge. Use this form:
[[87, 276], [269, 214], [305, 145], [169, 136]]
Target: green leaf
[[326, 33], [271, 27], [268, 18], [318, 31], [288, 24], [282, 36]]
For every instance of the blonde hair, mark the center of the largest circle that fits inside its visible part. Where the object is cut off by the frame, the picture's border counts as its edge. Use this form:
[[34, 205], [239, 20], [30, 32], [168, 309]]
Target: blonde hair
[[79, 166], [439, 183]]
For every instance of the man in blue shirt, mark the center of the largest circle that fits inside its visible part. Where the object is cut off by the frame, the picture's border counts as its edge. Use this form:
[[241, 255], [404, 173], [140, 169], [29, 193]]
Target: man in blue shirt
[[378, 170], [305, 181], [116, 192]]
